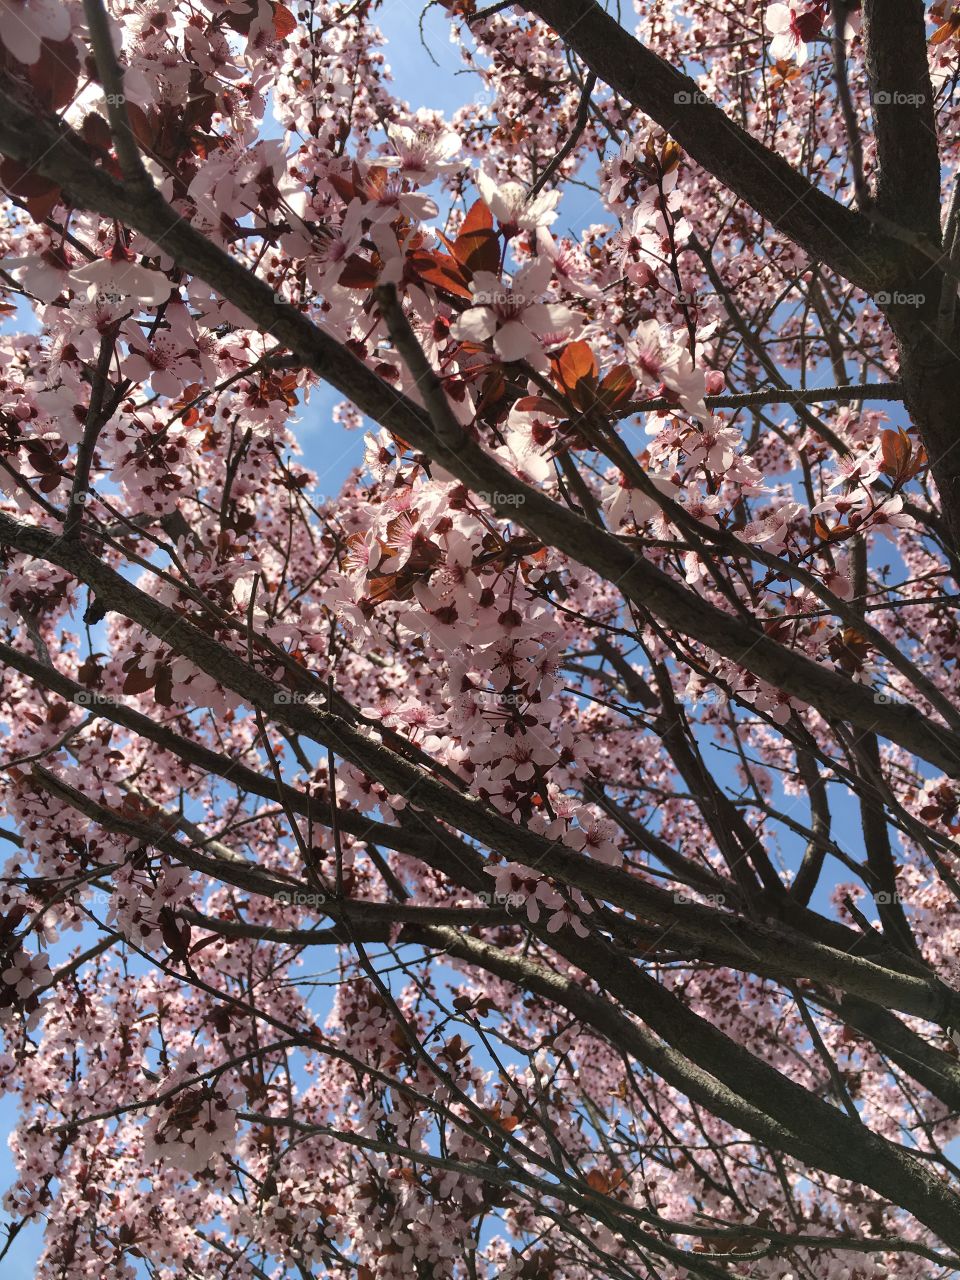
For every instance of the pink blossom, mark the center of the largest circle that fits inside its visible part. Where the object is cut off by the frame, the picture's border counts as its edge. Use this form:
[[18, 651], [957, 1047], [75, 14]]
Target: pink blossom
[[24, 23], [595, 836], [421, 153], [791, 28], [512, 315], [622, 500], [513, 208], [119, 276], [26, 973]]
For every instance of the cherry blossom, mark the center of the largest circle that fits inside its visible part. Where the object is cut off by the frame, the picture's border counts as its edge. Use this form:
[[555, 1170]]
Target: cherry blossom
[[26, 973], [594, 835], [792, 29], [118, 276], [25, 23], [772, 529], [515, 210], [192, 1125], [45, 276], [622, 500], [512, 315], [422, 153]]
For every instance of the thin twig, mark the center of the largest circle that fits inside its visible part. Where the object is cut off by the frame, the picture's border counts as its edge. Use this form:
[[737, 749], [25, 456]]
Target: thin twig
[[111, 77], [92, 427], [846, 104], [579, 124]]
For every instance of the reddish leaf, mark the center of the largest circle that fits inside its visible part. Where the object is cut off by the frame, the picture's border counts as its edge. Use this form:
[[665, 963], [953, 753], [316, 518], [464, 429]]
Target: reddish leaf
[[137, 681], [89, 673], [454, 1049], [96, 132], [605, 1182], [539, 404], [41, 206], [447, 242], [347, 188], [175, 936], [146, 129], [200, 106], [30, 187], [479, 251], [163, 690], [577, 362], [479, 218], [56, 72], [477, 247], [493, 393], [575, 369], [283, 21], [241, 21], [617, 386], [949, 29], [440, 270], [897, 450], [358, 273]]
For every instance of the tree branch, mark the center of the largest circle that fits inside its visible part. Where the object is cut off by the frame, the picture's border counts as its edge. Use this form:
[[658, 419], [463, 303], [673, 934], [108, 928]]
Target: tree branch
[[908, 161]]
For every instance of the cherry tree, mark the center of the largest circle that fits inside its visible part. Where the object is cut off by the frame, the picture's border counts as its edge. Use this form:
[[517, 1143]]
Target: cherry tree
[[539, 860]]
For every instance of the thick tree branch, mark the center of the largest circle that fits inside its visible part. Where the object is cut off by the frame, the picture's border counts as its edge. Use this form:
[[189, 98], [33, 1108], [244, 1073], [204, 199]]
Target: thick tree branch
[[710, 1067], [908, 161], [792, 396], [757, 947]]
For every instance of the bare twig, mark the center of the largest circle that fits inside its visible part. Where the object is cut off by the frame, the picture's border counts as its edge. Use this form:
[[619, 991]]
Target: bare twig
[[579, 124]]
